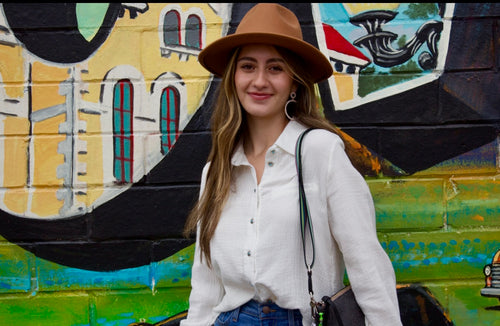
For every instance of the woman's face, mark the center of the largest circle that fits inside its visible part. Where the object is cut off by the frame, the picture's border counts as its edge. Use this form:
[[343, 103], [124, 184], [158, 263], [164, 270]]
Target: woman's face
[[263, 82]]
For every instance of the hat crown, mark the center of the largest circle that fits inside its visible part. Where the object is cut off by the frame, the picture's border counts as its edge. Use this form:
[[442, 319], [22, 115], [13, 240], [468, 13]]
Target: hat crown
[[271, 24], [270, 18]]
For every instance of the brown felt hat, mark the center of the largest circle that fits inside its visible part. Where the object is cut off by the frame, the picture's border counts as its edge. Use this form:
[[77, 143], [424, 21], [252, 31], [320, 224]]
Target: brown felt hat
[[272, 24]]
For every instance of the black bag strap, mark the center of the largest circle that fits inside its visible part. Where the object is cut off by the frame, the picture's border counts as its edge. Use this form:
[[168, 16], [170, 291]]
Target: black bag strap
[[305, 219]]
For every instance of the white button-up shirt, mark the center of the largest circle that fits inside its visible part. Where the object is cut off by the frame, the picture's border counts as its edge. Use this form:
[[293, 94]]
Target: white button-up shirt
[[256, 250]]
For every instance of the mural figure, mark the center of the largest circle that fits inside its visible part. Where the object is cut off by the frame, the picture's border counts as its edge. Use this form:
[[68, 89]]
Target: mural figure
[[379, 42]]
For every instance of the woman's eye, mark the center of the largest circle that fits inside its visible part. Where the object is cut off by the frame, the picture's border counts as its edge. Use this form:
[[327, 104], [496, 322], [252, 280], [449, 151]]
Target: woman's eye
[[276, 68], [246, 66]]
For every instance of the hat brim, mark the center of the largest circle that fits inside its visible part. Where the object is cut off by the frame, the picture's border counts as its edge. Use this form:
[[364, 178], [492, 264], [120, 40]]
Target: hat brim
[[216, 55]]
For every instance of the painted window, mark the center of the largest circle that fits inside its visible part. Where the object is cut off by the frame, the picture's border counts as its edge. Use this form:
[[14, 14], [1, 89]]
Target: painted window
[[123, 142], [193, 32], [171, 28], [169, 118]]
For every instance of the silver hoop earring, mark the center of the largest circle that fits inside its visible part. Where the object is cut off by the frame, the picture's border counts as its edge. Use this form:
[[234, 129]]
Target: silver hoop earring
[[292, 100]]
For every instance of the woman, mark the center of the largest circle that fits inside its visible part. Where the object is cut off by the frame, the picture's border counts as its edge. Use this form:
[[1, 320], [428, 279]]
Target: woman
[[248, 266]]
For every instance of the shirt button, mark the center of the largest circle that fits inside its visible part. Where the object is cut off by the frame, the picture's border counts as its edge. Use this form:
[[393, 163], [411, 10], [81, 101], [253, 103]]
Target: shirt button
[[273, 151], [270, 163], [251, 221], [249, 253]]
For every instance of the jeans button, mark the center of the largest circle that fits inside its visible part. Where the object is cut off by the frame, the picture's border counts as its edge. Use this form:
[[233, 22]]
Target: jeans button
[[266, 309]]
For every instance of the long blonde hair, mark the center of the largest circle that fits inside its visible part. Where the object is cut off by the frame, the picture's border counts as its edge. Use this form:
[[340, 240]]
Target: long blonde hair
[[228, 125]]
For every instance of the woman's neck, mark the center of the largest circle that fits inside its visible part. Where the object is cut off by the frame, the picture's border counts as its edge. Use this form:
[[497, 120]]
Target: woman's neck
[[259, 136], [262, 134]]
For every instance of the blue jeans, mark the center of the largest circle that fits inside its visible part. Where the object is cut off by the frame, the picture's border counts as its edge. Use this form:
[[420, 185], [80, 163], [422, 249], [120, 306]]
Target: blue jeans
[[254, 313]]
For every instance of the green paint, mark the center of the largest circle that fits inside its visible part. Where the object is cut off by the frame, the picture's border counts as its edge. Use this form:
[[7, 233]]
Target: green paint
[[433, 256], [465, 304], [408, 204], [14, 269], [45, 309], [421, 10], [90, 17], [474, 203], [369, 81], [125, 307], [176, 270]]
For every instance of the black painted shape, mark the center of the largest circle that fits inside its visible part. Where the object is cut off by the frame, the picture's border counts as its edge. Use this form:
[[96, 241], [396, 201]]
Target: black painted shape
[[50, 30], [186, 162], [144, 213], [22, 230], [419, 133], [481, 9], [464, 139], [168, 247], [418, 307], [96, 256], [132, 252]]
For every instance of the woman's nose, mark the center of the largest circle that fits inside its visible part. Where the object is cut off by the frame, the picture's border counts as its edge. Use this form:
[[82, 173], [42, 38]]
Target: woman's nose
[[260, 78]]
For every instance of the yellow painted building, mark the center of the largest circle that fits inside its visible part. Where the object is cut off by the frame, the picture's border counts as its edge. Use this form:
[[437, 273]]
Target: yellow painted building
[[59, 150]]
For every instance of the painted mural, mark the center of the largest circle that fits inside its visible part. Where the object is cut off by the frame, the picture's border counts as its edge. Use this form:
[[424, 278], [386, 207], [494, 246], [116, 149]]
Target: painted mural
[[104, 130]]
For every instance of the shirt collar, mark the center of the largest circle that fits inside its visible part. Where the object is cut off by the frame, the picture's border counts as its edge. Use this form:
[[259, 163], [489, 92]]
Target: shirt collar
[[239, 157], [289, 136], [285, 141]]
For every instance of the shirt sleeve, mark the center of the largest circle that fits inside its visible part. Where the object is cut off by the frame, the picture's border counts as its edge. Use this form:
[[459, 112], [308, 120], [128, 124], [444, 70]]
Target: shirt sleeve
[[353, 225], [206, 287]]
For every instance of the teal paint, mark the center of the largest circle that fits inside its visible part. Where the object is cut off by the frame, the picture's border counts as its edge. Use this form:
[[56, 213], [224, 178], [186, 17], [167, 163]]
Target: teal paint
[[472, 252]]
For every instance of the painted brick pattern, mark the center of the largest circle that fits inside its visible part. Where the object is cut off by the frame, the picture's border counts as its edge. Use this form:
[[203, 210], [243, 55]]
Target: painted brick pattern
[[439, 224]]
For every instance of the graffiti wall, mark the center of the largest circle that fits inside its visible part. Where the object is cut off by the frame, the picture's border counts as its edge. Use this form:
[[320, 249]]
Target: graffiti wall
[[104, 130]]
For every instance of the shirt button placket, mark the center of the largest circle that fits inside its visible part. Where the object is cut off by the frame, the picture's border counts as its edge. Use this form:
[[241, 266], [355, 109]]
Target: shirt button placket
[[271, 163], [249, 253]]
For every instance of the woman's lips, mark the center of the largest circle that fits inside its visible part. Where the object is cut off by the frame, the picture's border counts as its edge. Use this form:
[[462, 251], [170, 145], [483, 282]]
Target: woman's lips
[[260, 96]]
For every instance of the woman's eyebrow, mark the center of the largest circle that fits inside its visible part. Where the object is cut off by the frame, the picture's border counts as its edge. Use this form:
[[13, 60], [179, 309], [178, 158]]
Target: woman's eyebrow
[[255, 60], [247, 58]]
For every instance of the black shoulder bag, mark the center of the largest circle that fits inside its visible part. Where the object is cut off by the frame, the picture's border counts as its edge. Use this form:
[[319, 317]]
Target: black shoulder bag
[[341, 309]]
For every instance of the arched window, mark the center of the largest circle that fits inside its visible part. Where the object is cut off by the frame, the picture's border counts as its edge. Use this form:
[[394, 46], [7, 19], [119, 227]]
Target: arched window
[[123, 142], [169, 118], [193, 32], [171, 28]]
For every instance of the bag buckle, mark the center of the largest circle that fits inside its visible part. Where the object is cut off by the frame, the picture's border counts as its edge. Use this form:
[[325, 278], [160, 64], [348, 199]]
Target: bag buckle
[[318, 309]]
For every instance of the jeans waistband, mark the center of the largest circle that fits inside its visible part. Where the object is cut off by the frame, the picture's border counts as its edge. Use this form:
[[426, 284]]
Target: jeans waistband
[[268, 309], [257, 313]]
